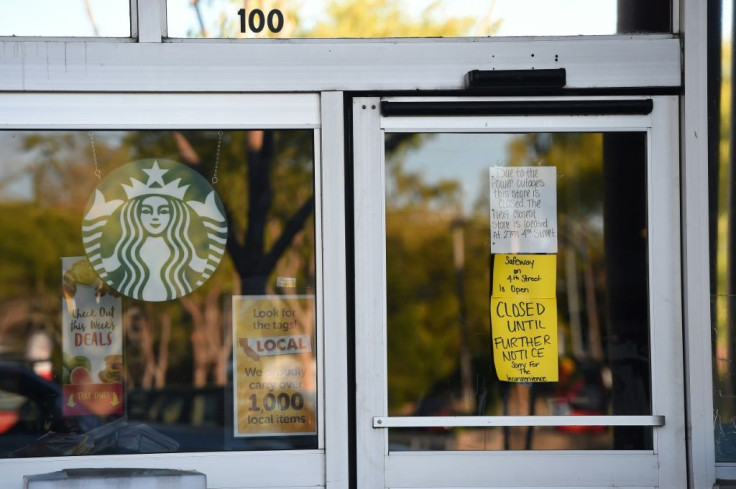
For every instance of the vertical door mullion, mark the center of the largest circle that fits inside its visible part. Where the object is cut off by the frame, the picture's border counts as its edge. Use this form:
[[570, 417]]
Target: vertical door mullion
[[370, 292], [665, 293], [334, 299]]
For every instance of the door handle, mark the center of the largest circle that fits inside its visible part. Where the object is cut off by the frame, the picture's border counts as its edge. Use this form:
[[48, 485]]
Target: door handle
[[502, 421]]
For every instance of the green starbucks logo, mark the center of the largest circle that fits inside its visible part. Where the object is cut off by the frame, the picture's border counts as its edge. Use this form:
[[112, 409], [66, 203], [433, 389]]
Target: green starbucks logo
[[158, 240]]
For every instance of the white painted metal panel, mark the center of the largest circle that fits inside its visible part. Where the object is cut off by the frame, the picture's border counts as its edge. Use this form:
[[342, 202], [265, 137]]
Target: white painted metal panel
[[724, 471], [231, 470], [696, 251], [665, 293], [370, 293], [521, 469], [536, 487], [311, 65], [334, 293], [320, 280], [527, 123], [151, 20], [495, 421], [149, 111]]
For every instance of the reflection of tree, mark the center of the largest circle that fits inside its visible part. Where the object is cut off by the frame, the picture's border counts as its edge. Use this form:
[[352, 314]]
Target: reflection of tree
[[143, 364], [386, 18], [578, 158], [723, 249], [354, 18], [267, 187], [423, 309], [277, 193], [34, 238]]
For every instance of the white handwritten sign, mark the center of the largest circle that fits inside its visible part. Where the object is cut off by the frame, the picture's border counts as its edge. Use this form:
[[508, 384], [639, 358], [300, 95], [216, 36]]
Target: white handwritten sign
[[524, 209]]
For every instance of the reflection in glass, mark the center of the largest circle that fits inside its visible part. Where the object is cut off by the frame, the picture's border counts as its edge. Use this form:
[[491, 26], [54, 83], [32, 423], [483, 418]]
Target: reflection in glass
[[177, 369], [722, 160], [70, 18], [439, 281], [414, 18]]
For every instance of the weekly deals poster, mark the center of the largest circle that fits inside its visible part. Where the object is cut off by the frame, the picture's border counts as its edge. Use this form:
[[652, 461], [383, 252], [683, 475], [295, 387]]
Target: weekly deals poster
[[274, 365], [92, 342], [524, 318], [523, 209]]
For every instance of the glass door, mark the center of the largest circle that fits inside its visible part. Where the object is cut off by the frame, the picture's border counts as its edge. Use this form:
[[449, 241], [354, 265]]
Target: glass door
[[518, 293]]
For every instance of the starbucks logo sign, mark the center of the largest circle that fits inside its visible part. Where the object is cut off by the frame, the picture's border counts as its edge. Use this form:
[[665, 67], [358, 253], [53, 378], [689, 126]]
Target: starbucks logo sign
[[154, 230]]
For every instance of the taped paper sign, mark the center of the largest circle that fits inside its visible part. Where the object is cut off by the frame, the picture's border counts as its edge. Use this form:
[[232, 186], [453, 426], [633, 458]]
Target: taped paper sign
[[524, 318], [524, 209], [92, 342], [273, 361], [524, 276]]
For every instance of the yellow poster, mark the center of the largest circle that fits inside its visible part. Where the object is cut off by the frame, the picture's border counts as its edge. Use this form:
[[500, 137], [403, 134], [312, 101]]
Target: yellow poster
[[524, 318], [524, 276], [274, 365]]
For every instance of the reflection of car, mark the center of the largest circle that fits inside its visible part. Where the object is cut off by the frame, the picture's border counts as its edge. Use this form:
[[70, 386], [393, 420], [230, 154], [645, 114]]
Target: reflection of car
[[580, 392], [193, 417], [31, 407], [200, 419]]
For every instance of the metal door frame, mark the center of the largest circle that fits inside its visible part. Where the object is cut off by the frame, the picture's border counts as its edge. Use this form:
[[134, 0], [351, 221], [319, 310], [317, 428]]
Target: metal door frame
[[665, 465]]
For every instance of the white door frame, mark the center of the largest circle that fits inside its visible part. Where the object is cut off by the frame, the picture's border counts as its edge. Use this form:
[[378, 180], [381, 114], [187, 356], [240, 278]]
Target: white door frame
[[321, 113], [665, 465]]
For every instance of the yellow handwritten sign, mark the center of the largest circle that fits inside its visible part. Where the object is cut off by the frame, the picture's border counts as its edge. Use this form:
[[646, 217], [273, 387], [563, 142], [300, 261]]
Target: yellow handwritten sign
[[524, 276], [274, 366], [524, 318]]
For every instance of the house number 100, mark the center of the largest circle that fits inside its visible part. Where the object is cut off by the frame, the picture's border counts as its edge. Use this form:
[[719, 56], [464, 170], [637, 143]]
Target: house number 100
[[257, 20]]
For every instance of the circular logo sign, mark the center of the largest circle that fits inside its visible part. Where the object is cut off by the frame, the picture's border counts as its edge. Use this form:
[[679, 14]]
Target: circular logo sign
[[154, 230]]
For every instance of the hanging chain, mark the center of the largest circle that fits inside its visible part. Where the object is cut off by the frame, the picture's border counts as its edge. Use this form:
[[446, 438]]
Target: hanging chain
[[217, 158], [98, 173]]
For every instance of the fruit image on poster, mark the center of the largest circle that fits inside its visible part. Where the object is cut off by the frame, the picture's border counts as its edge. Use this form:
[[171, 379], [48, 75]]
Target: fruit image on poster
[[92, 342], [274, 366]]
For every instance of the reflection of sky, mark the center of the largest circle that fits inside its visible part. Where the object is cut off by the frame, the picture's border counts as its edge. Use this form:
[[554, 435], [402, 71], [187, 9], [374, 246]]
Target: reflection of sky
[[461, 157], [16, 164], [64, 18], [466, 159], [519, 17], [726, 19]]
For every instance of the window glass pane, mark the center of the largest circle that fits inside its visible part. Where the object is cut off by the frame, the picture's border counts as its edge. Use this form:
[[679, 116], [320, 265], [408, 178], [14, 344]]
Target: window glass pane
[[439, 279], [413, 18], [173, 384], [722, 228], [68, 18]]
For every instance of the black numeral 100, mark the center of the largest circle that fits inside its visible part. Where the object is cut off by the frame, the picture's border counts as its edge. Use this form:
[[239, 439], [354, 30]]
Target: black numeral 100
[[257, 20]]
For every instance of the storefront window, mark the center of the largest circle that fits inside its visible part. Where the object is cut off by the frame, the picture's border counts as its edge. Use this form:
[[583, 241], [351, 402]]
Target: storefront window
[[71, 18], [416, 18], [166, 306], [440, 279], [723, 229]]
